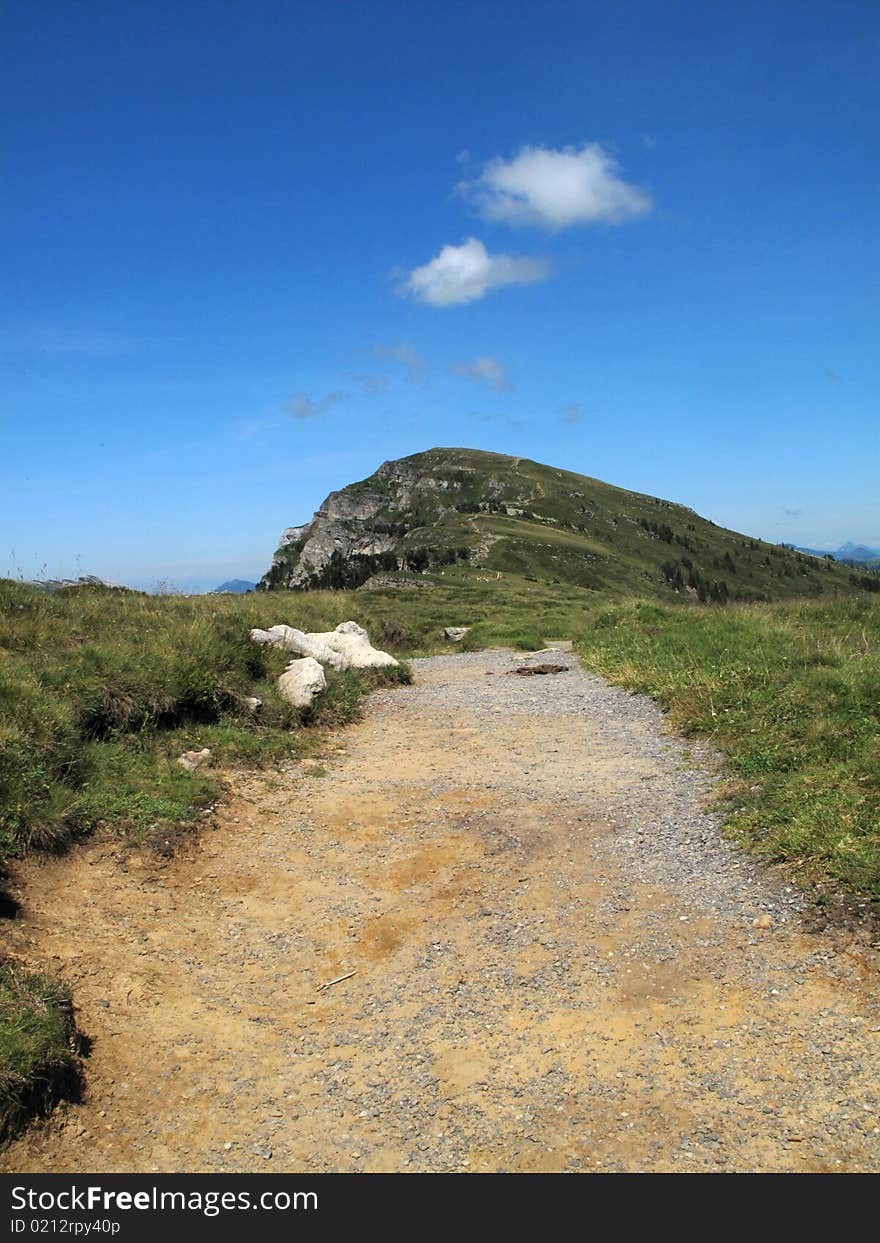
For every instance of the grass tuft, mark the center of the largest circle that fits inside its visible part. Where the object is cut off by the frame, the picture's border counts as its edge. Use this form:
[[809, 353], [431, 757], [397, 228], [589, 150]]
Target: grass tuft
[[39, 1046]]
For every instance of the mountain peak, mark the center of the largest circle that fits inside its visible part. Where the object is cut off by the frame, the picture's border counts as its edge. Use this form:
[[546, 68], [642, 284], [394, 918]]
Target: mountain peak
[[453, 513]]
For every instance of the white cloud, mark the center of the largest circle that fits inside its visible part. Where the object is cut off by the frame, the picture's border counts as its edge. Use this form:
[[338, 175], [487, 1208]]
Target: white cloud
[[572, 413], [407, 355], [465, 273], [484, 370], [302, 406], [556, 189]]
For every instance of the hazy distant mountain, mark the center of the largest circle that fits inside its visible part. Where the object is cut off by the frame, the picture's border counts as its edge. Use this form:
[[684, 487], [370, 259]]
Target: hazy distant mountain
[[856, 552], [449, 514], [235, 586], [853, 554]]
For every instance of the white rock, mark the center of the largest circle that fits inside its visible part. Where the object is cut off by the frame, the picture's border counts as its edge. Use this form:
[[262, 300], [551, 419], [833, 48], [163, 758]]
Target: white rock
[[352, 641], [301, 681], [348, 646], [253, 704], [293, 640], [194, 759], [351, 627], [455, 633]]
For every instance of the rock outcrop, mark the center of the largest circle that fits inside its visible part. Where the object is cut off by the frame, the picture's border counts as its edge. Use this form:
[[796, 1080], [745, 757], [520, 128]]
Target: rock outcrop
[[191, 760], [374, 527], [60, 584], [353, 643], [298, 641], [337, 532], [346, 647], [301, 681]]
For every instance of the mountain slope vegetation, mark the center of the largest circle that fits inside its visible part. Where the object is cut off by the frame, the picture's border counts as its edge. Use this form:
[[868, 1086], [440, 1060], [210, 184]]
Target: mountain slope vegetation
[[462, 513]]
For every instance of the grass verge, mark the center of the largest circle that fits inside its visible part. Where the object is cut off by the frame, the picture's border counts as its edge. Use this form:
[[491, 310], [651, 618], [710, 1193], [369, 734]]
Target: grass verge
[[101, 690], [39, 1061], [791, 694]]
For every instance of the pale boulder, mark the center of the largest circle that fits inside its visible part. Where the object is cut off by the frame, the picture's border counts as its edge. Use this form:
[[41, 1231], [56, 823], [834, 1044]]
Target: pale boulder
[[301, 681], [352, 641], [346, 647], [192, 760], [293, 640]]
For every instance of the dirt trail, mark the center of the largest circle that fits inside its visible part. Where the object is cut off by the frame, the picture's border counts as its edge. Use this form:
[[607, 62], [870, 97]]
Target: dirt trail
[[556, 963]]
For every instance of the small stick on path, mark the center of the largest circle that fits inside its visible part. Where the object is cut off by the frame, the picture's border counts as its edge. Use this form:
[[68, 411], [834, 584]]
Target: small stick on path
[[338, 980]]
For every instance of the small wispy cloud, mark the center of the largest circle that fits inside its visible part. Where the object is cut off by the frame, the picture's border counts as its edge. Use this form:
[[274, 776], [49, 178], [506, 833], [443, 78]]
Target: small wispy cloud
[[372, 384], [249, 429], [484, 370], [303, 406], [555, 189], [465, 273], [408, 357], [792, 513], [572, 413]]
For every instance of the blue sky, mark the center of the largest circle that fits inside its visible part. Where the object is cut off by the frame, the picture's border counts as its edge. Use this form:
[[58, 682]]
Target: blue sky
[[253, 249]]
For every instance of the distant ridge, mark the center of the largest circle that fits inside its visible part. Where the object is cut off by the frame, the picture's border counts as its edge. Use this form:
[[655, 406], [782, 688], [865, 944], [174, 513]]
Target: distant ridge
[[456, 513], [60, 584], [235, 586], [850, 553]]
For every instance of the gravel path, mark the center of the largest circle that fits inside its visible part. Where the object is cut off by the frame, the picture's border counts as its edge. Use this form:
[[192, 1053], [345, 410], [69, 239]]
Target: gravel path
[[556, 965]]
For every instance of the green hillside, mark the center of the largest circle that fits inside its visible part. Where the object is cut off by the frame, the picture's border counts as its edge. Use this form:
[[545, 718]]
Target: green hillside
[[460, 513]]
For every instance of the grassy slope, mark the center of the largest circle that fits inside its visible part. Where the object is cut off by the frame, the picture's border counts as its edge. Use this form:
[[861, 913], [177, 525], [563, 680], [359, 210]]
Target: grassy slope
[[562, 528], [101, 690], [791, 694]]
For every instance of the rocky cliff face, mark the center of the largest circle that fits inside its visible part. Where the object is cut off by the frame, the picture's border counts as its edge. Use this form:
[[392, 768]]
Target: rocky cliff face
[[367, 527], [341, 527]]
